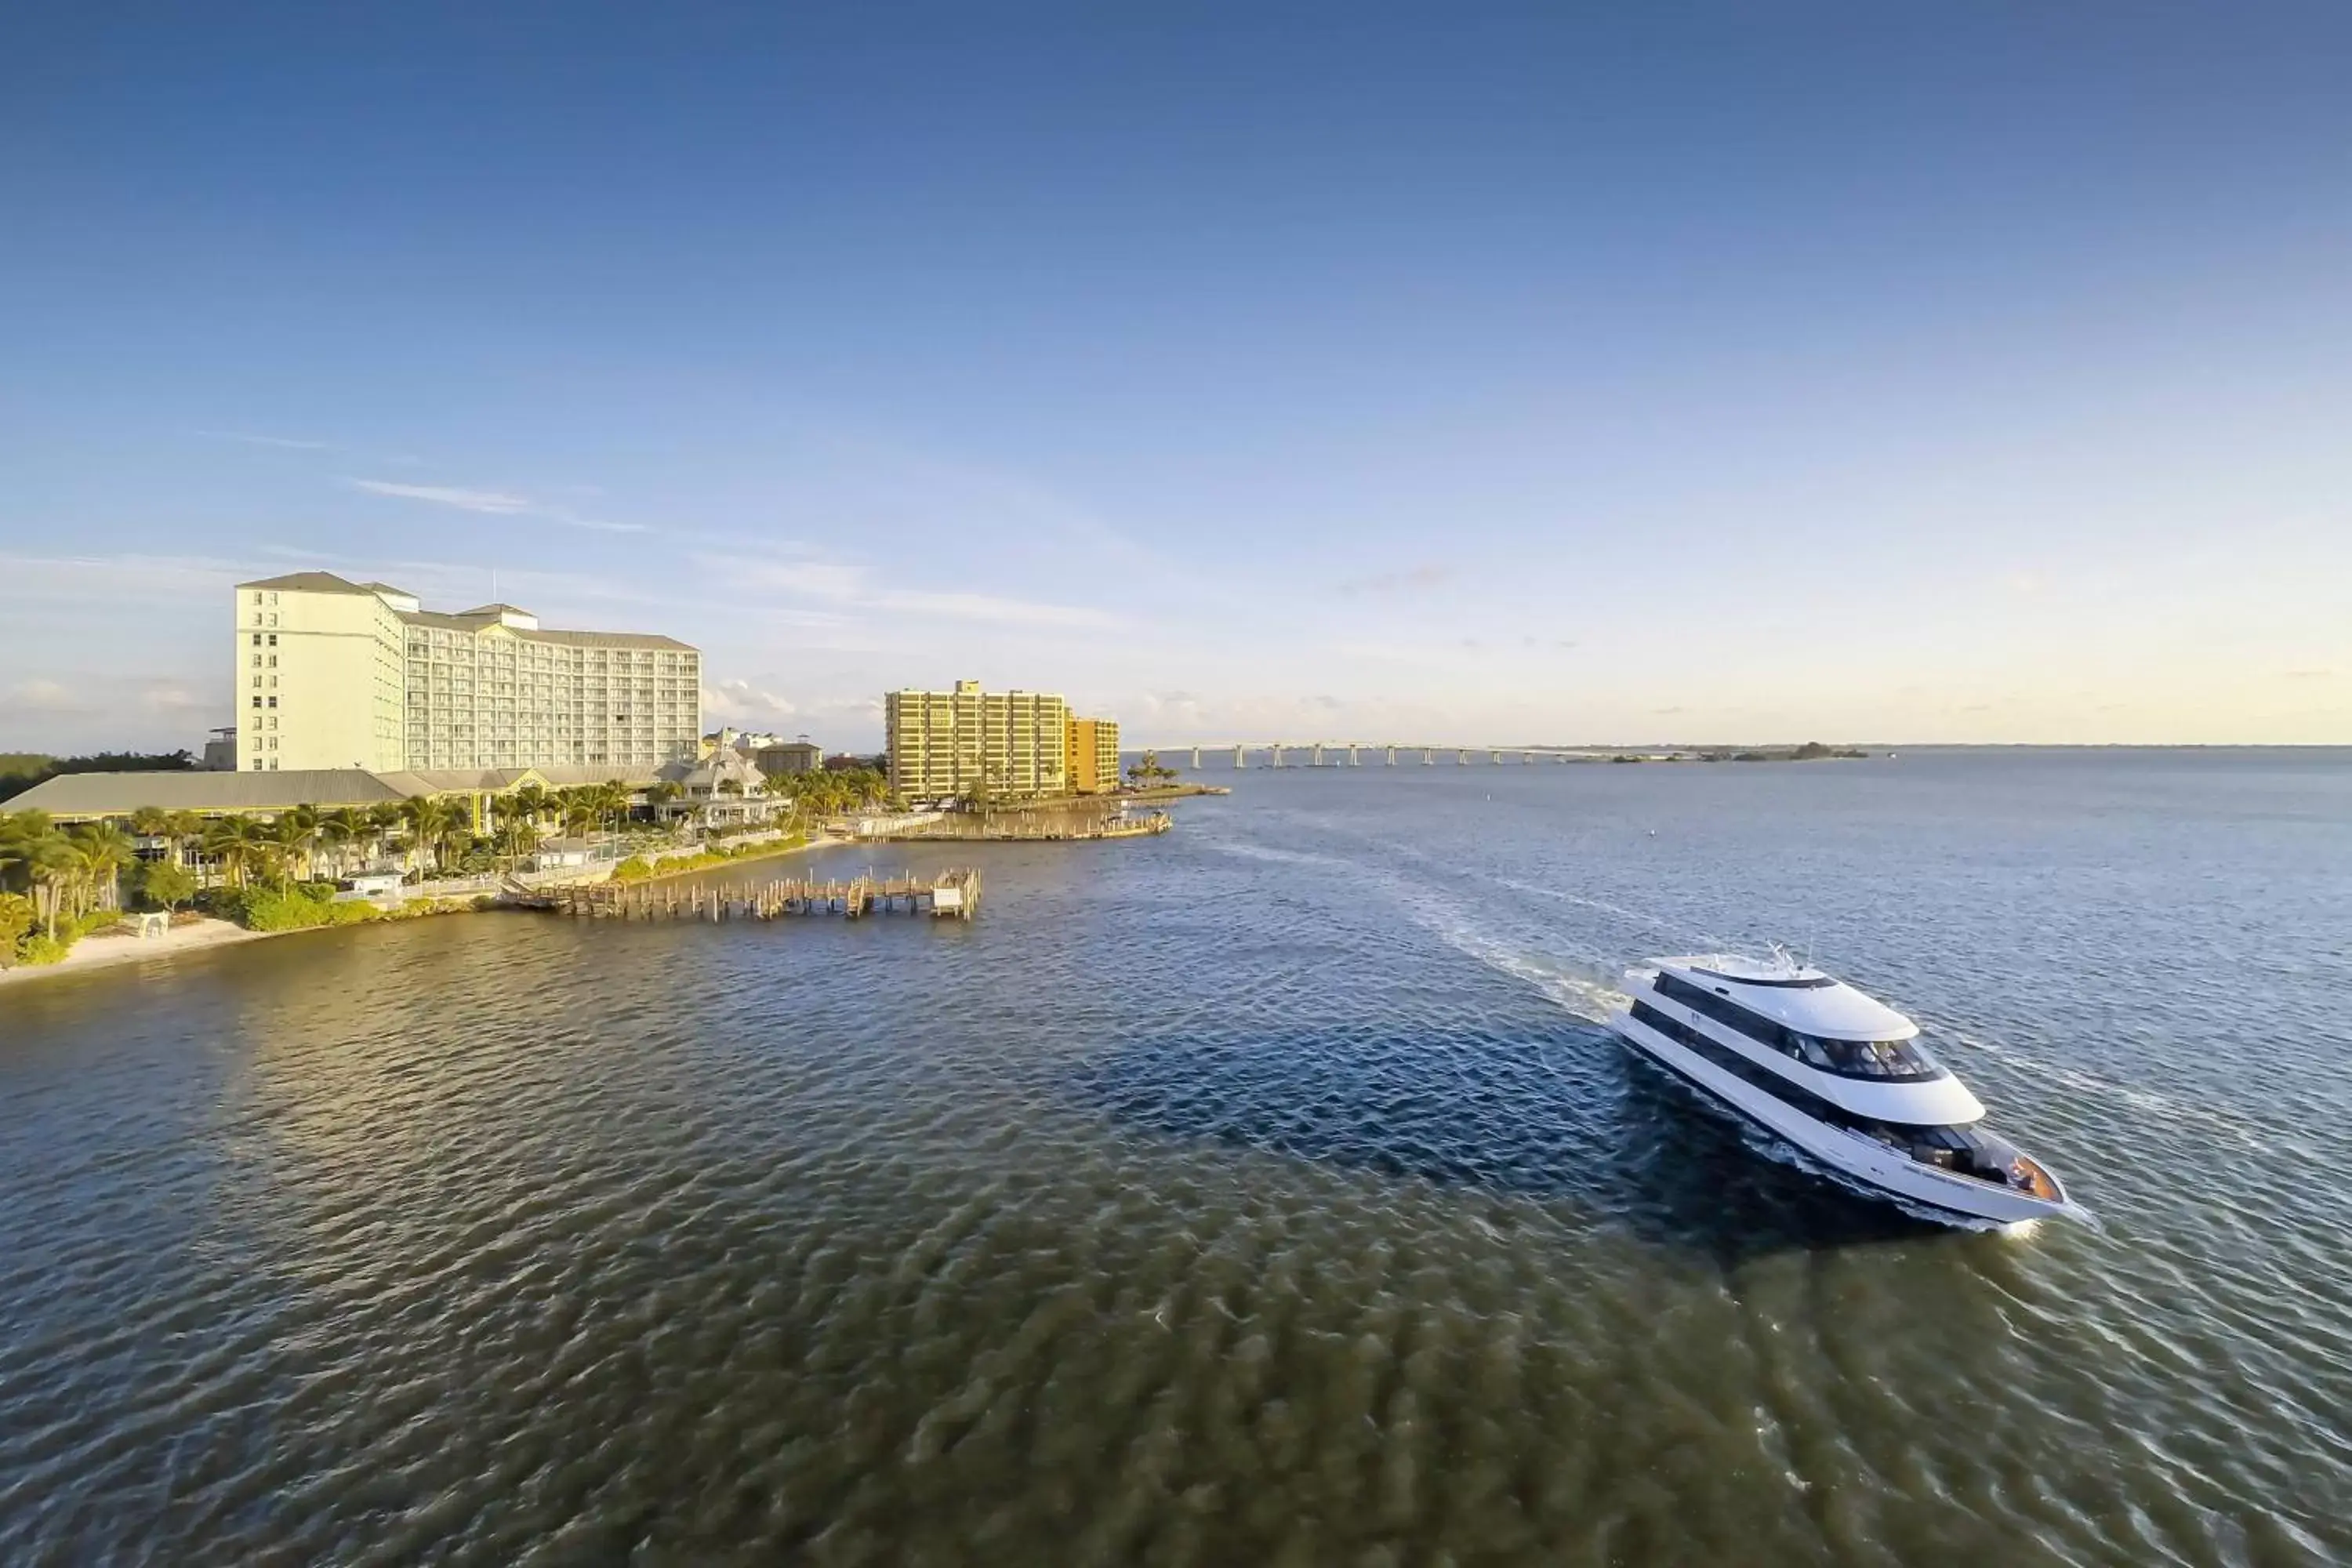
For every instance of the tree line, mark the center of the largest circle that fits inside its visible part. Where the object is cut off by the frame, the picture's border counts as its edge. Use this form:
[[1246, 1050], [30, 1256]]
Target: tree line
[[20, 770], [56, 881]]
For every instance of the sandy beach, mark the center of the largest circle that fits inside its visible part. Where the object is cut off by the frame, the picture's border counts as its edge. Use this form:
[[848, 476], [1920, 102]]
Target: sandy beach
[[107, 952]]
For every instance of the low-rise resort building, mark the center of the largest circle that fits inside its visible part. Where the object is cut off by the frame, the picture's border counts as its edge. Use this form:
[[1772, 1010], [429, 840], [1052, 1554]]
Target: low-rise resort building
[[93, 798]]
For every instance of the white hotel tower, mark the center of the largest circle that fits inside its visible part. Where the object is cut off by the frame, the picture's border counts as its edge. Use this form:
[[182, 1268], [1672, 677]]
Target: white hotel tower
[[333, 674]]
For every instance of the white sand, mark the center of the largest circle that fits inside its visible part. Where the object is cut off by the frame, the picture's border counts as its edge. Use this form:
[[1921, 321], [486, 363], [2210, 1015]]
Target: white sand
[[102, 952]]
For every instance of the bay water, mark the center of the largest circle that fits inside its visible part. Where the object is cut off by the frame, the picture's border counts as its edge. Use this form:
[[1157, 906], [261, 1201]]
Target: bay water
[[1267, 1192]]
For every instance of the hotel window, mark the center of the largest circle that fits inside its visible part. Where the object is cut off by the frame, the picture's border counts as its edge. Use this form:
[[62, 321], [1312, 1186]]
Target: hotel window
[[257, 702], [273, 764], [257, 762], [273, 701], [273, 661], [256, 639], [257, 680], [256, 658], [273, 640]]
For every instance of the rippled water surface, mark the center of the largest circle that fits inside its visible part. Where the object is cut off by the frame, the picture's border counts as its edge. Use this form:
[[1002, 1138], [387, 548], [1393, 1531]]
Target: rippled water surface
[[1264, 1192]]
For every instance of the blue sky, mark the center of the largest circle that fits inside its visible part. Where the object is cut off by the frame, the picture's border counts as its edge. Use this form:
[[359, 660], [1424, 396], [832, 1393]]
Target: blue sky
[[1469, 372]]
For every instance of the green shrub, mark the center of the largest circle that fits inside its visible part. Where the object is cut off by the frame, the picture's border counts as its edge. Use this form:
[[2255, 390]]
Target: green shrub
[[73, 931], [357, 912], [318, 892], [222, 903], [632, 869], [269, 908], [16, 919], [39, 948], [165, 885]]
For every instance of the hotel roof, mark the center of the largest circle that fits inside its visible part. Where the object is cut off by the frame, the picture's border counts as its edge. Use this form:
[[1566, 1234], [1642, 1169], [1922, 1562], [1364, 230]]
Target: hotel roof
[[120, 794], [84, 796], [482, 620], [479, 618], [315, 582]]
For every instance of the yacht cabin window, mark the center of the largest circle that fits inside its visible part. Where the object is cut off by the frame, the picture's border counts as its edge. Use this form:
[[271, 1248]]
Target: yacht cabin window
[[1895, 1060]]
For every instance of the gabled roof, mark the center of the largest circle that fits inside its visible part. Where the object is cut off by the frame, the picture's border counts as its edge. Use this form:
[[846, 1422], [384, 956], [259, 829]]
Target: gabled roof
[[572, 775], [82, 795], [608, 639], [494, 611], [478, 621], [312, 583], [120, 794], [450, 781]]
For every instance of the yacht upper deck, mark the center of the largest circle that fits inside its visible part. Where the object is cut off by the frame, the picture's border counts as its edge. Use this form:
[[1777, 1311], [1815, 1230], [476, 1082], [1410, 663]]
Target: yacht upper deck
[[1794, 995]]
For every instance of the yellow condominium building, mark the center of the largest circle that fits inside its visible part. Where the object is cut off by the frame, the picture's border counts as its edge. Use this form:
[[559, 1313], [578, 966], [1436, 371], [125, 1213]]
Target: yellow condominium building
[[1091, 758], [331, 674], [1006, 744]]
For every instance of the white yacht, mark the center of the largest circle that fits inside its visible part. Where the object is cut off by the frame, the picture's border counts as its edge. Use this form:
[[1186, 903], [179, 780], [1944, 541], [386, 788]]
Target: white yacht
[[1835, 1073]]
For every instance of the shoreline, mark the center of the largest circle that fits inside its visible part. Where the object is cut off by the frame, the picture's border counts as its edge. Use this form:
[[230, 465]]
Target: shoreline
[[114, 951], [822, 841], [1175, 792], [206, 934]]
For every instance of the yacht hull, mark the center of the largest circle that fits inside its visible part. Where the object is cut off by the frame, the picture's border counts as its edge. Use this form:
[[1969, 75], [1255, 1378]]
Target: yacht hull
[[1863, 1158]]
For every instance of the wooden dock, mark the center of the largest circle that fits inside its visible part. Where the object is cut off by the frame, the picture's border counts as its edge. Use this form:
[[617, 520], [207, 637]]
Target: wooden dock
[[949, 895]]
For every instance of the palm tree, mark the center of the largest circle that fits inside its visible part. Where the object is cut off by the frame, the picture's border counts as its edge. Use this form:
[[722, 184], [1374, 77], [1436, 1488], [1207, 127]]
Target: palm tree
[[54, 865], [19, 830], [238, 842], [186, 829], [517, 833], [341, 828], [533, 802], [297, 829], [40, 857], [431, 818], [517, 836], [613, 800], [105, 849]]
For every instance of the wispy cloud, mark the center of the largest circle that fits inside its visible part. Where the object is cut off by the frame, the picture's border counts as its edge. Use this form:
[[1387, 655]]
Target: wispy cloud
[[299, 444], [847, 585], [251, 439], [40, 696], [989, 607], [47, 581], [1420, 579], [745, 706], [173, 700], [497, 502], [492, 503], [813, 579]]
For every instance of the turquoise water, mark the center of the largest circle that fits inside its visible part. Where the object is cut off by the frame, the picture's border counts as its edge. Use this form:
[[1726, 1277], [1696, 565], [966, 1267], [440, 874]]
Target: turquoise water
[[1266, 1192]]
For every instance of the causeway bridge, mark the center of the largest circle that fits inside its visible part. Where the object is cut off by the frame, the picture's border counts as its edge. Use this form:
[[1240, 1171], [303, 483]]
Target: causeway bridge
[[1380, 754]]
